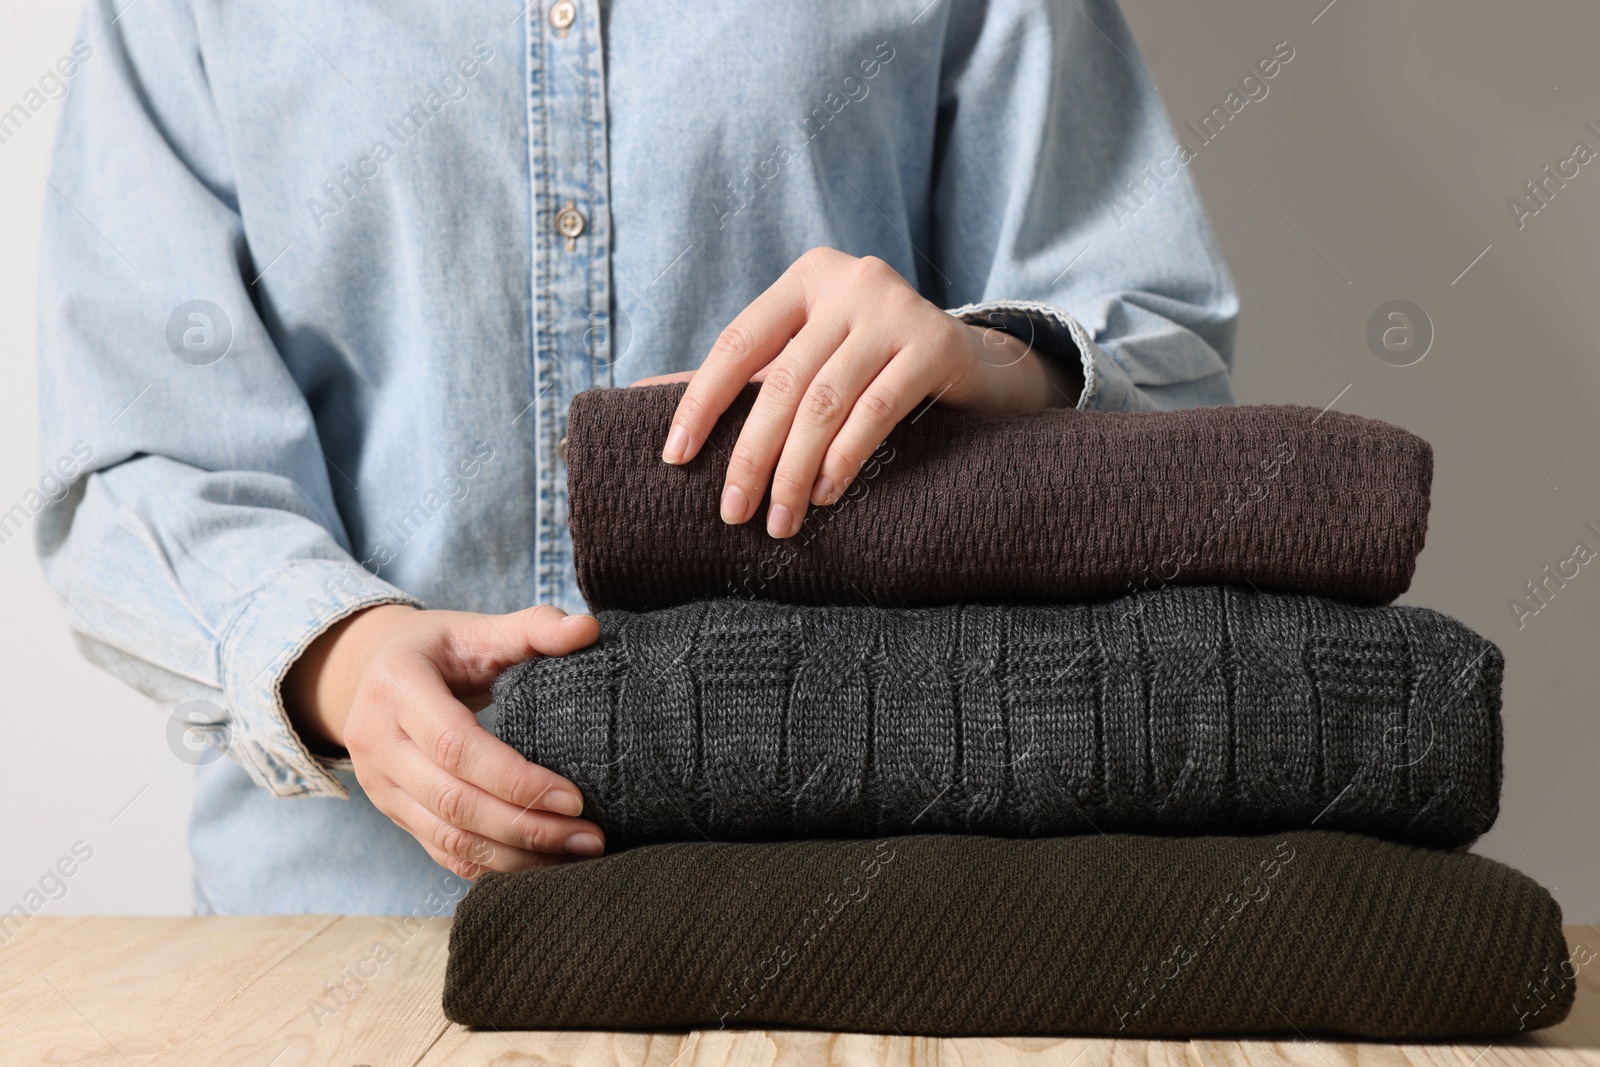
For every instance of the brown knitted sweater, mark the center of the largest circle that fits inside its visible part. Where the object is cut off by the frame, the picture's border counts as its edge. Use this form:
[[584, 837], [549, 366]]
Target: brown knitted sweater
[[1057, 505], [1310, 932]]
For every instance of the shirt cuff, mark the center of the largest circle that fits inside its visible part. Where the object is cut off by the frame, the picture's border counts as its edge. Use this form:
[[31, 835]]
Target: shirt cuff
[[1056, 334], [289, 611]]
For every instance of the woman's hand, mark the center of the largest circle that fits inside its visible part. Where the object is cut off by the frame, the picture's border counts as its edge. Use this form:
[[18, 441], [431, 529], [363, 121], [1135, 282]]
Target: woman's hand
[[394, 684], [844, 349]]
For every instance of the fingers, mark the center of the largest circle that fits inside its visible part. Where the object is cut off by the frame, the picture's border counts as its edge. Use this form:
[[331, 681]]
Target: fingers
[[453, 740], [816, 419], [893, 394], [761, 439], [471, 799], [467, 814], [751, 341], [844, 348], [462, 852]]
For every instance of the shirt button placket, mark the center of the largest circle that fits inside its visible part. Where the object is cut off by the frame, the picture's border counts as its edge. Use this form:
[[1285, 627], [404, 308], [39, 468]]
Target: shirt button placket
[[572, 277]]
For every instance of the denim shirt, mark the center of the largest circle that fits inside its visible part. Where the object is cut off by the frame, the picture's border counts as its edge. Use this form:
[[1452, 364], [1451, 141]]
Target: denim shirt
[[320, 280]]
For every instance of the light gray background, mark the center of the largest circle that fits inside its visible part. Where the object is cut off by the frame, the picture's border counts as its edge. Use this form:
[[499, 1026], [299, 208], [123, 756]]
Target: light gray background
[[1377, 168]]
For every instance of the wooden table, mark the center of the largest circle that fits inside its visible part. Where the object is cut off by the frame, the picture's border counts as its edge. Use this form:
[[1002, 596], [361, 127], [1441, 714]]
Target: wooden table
[[259, 991]]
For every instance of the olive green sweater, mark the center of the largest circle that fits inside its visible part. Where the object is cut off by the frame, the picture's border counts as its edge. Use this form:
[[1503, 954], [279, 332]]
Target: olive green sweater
[[1309, 932]]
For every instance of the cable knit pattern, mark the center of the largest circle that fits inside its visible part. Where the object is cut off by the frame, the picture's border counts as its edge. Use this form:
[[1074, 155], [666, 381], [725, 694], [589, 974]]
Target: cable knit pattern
[[1192, 709], [1050, 506], [1310, 932]]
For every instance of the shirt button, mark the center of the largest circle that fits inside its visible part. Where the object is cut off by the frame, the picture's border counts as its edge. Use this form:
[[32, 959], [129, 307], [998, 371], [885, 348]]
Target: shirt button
[[570, 222], [562, 14]]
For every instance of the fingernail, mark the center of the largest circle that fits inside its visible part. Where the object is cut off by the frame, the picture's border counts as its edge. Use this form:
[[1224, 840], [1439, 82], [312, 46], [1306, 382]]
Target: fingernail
[[585, 845], [822, 492], [735, 505], [780, 520], [563, 802], [677, 445]]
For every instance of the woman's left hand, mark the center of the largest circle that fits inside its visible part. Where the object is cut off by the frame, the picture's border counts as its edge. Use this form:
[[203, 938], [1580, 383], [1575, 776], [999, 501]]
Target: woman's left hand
[[844, 349]]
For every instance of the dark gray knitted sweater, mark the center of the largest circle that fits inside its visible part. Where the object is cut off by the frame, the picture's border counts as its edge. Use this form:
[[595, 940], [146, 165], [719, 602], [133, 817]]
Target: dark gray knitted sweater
[[1193, 709]]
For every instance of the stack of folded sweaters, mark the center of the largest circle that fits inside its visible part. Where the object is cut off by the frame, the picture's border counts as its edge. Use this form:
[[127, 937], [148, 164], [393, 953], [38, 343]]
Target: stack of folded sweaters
[[1072, 722]]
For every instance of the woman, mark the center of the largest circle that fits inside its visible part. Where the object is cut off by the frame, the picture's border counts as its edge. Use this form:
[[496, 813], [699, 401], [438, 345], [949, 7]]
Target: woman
[[320, 281]]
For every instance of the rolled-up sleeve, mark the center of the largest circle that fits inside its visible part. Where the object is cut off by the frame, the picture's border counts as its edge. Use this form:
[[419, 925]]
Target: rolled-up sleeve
[[195, 538], [1064, 209]]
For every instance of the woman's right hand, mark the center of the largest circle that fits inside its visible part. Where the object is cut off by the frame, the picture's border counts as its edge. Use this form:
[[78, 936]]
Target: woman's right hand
[[397, 687]]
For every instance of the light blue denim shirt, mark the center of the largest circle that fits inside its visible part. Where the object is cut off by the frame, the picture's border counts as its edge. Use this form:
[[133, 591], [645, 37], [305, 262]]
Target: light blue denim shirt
[[319, 281]]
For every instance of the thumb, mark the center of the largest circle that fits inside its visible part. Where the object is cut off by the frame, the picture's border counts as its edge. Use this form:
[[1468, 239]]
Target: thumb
[[485, 645]]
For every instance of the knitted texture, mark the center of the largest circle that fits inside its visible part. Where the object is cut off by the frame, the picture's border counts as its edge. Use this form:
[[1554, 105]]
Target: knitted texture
[[1050, 506], [1192, 709], [1312, 931]]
